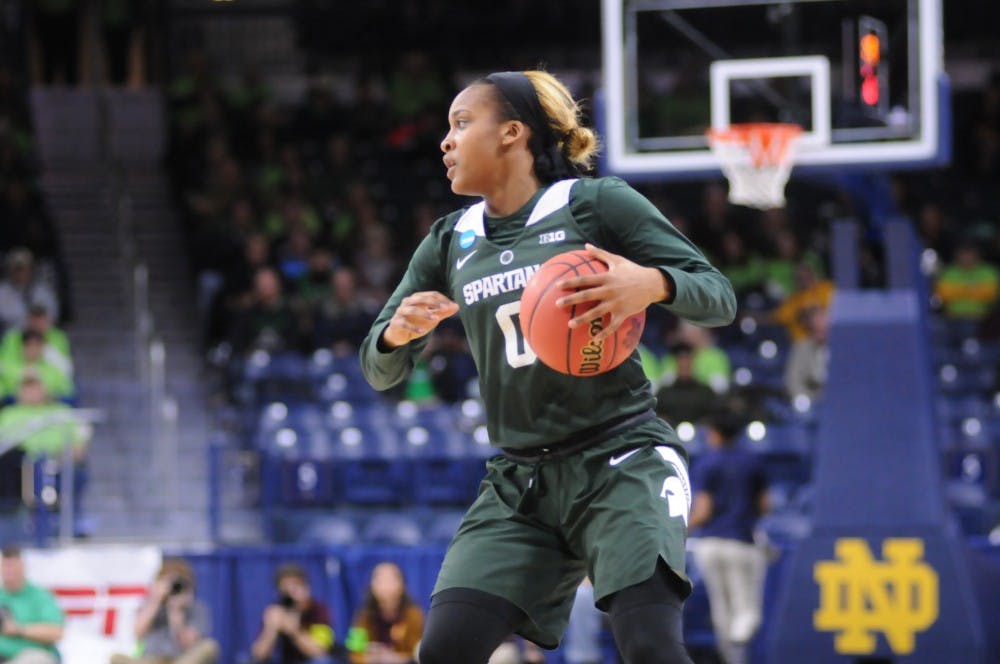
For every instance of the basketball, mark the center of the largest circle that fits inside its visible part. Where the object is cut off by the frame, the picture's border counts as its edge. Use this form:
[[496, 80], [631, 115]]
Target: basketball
[[546, 326]]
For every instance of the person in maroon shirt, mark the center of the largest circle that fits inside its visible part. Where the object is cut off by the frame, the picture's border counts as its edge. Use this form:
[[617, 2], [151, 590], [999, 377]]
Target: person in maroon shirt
[[297, 628]]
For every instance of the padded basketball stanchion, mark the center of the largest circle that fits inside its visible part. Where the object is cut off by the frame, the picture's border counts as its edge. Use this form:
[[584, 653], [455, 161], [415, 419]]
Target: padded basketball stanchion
[[883, 576], [757, 160]]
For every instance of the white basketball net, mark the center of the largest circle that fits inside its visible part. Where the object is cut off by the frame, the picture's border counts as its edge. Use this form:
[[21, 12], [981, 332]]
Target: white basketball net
[[757, 160]]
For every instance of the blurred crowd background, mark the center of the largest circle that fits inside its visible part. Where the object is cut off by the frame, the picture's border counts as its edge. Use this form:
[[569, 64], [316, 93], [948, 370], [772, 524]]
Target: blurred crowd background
[[289, 154]]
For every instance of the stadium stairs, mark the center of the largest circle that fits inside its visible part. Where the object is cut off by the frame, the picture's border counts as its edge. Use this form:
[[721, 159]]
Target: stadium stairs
[[101, 153]]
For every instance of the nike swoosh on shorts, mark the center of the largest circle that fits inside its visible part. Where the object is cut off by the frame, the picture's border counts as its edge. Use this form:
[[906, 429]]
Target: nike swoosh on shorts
[[615, 460]]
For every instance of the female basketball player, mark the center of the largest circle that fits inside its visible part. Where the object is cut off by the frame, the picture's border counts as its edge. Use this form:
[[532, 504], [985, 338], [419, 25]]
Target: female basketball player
[[590, 483]]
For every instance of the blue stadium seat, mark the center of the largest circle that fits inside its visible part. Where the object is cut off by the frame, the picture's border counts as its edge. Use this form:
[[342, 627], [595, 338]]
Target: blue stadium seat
[[965, 379], [307, 482], [331, 530], [443, 525], [975, 465], [373, 469], [345, 386], [955, 407], [440, 466], [969, 504], [392, 528]]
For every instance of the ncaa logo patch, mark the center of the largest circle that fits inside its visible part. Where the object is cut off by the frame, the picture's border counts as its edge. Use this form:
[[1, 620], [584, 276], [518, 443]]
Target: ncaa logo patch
[[467, 239]]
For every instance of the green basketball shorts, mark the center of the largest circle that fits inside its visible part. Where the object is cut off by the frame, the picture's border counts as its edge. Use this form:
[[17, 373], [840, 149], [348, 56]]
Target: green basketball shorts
[[608, 512]]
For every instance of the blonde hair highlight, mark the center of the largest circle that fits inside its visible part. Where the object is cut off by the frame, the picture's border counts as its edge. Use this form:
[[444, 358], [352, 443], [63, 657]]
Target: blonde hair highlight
[[577, 142]]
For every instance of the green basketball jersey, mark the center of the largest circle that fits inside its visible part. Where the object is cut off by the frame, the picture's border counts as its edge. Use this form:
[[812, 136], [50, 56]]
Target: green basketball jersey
[[483, 265]]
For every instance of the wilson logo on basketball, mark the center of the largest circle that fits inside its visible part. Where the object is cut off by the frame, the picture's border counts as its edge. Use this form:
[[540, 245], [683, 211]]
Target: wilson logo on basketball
[[592, 352]]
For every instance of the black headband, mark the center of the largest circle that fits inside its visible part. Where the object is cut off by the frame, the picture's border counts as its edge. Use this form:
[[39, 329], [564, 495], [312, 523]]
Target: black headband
[[519, 91], [550, 163]]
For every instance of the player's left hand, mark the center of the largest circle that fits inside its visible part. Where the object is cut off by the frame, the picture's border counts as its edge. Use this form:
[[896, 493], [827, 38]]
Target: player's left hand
[[625, 289]]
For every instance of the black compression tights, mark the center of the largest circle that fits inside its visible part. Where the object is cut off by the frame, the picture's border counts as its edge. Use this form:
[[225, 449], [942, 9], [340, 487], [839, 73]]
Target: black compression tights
[[465, 626]]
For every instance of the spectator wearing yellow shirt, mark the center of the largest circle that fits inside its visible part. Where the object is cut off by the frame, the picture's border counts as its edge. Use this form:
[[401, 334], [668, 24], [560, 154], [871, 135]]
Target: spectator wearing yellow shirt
[[969, 287], [811, 293]]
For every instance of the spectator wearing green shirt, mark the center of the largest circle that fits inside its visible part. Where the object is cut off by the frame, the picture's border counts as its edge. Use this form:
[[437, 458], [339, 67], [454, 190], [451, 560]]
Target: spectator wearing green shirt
[[709, 363], [22, 421], [54, 378], [32, 620], [56, 350]]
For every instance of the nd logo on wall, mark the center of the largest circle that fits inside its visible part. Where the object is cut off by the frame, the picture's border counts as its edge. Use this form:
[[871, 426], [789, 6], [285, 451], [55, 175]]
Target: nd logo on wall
[[860, 596]]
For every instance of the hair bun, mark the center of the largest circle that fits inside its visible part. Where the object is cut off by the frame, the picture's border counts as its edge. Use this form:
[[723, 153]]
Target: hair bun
[[580, 144]]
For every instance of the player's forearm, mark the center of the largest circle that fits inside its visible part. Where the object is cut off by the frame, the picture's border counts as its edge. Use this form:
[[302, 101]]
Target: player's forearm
[[704, 297], [385, 368]]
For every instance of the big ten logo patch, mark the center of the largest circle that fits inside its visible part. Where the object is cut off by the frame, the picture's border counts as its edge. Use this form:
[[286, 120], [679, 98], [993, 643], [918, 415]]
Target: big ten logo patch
[[106, 607], [860, 596]]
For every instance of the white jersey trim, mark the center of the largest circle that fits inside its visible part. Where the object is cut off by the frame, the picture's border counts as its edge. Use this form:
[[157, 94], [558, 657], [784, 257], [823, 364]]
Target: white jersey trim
[[555, 198]]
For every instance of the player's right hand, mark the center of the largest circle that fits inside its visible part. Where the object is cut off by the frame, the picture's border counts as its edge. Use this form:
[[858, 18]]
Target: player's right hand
[[416, 316]]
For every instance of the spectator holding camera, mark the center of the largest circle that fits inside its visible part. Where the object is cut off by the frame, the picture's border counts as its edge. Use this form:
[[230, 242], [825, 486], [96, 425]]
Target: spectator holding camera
[[296, 629], [31, 623], [172, 625]]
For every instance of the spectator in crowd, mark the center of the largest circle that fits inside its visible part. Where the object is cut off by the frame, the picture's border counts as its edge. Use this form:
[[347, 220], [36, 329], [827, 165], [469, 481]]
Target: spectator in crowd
[[22, 289], [296, 629], [745, 270], [709, 363], [53, 376], [808, 362], [450, 362], [31, 622], [315, 284], [935, 230], [172, 625], [268, 323], [730, 494], [811, 292], [55, 351], [389, 625], [686, 399], [45, 428], [375, 262], [344, 316], [237, 294], [969, 287], [780, 268]]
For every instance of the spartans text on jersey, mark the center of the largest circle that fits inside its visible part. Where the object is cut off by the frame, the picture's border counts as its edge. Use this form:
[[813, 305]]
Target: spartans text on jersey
[[494, 284]]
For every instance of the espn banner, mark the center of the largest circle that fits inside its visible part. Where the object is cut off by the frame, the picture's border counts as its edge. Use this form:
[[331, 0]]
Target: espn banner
[[99, 589]]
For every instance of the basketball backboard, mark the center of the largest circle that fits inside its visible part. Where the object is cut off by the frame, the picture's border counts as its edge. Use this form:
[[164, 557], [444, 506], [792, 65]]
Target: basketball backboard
[[864, 78]]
